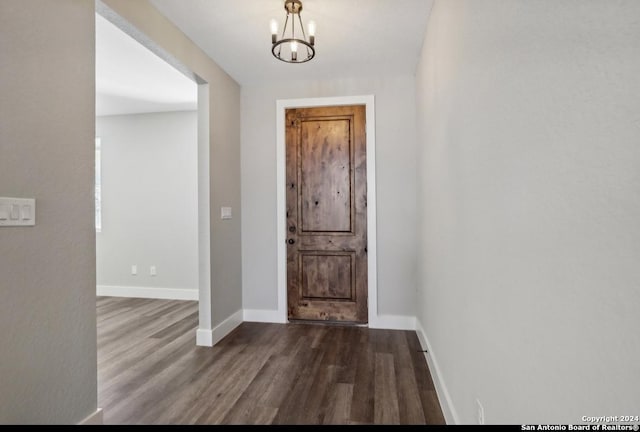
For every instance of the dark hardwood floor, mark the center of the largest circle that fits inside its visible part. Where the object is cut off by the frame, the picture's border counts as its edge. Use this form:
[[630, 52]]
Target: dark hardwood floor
[[151, 372]]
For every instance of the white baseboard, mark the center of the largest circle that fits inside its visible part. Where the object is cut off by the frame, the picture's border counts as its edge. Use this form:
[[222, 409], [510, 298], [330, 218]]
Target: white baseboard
[[204, 338], [448, 410], [393, 322], [226, 327], [147, 292], [262, 315], [94, 419], [209, 338]]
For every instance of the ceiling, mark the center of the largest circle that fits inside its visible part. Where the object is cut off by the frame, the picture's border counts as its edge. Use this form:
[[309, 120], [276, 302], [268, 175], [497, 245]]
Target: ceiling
[[130, 79], [353, 38]]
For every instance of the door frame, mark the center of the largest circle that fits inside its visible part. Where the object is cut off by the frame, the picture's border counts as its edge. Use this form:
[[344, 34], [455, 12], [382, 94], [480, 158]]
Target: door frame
[[372, 254], [204, 334]]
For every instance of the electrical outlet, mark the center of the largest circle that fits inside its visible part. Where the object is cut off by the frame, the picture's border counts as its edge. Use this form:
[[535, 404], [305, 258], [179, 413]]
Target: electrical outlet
[[134, 269], [152, 271], [480, 412]]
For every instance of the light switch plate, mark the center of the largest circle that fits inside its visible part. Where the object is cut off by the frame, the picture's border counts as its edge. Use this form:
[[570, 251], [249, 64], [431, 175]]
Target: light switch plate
[[17, 212], [225, 213]]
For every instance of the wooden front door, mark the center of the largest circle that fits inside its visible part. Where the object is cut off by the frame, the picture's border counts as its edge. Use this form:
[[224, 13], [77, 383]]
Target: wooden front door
[[327, 214]]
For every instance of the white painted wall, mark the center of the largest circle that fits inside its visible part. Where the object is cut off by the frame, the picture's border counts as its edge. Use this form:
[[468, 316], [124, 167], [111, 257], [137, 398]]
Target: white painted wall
[[396, 185], [529, 206], [149, 201], [47, 272]]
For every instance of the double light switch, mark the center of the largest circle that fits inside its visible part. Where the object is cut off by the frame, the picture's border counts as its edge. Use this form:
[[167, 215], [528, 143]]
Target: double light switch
[[17, 212]]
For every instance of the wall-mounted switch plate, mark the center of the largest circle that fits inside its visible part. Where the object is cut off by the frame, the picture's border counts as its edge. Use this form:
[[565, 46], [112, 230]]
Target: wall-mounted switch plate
[[17, 212], [225, 213]]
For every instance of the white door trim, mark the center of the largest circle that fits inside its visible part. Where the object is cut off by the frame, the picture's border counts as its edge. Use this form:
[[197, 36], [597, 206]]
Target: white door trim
[[372, 262], [205, 321]]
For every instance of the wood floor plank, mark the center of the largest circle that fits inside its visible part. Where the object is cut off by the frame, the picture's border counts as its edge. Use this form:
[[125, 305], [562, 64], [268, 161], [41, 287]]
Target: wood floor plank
[[132, 366], [151, 372], [363, 390], [339, 408], [308, 363], [345, 370], [409, 402], [285, 377], [386, 409], [432, 414], [248, 405], [432, 411], [319, 394], [137, 386], [260, 401], [231, 387], [204, 368]]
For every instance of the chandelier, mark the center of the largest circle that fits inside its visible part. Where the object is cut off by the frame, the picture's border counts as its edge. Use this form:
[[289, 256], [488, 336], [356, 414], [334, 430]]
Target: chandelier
[[293, 46]]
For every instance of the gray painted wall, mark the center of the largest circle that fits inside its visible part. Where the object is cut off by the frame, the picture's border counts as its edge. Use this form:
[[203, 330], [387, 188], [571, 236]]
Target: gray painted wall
[[396, 185], [529, 209], [149, 200], [47, 272], [224, 113]]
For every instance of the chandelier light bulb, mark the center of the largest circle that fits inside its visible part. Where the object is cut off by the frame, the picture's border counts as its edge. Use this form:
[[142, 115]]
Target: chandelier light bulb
[[274, 31], [294, 51], [312, 32]]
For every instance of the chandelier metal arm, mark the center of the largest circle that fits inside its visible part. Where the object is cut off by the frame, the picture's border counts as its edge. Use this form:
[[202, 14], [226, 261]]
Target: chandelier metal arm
[[284, 30]]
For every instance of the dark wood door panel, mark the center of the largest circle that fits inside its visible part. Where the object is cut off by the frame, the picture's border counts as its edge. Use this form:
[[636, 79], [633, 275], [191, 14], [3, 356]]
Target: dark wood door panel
[[326, 177], [327, 276], [326, 214]]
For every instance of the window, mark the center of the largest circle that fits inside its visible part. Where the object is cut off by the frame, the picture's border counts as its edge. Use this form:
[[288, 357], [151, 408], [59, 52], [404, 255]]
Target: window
[[98, 187]]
